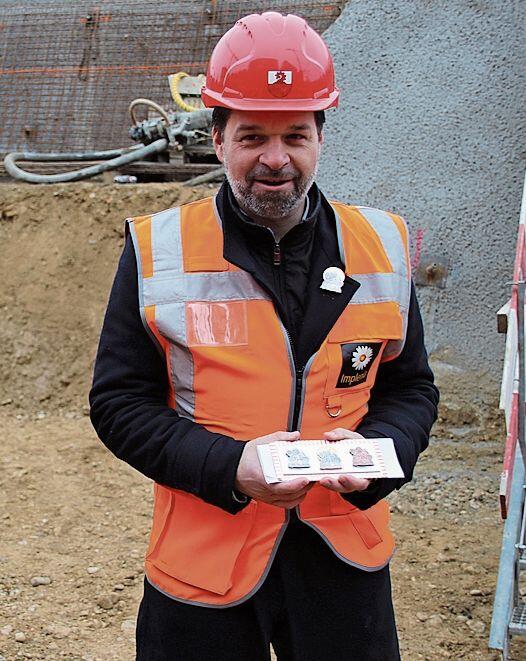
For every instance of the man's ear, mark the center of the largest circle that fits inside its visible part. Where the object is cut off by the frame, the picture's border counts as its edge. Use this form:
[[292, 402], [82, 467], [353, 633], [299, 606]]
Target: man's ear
[[320, 143], [217, 141]]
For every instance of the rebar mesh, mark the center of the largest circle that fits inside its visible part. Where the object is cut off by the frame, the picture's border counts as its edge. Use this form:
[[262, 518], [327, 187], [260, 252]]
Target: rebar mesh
[[68, 70]]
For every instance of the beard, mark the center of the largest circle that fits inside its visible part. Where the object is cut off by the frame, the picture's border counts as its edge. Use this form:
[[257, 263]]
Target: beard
[[270, 204]]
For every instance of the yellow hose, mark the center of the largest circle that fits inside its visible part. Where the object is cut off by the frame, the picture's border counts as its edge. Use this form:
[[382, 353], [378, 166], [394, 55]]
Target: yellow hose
[[174, 89]]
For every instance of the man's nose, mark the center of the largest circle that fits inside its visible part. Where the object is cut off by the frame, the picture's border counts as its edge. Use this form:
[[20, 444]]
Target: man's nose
[[274, 154]]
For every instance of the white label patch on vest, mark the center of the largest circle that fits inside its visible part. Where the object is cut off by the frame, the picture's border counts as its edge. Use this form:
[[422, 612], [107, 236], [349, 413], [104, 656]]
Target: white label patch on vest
[[216, 324], [357, 359]]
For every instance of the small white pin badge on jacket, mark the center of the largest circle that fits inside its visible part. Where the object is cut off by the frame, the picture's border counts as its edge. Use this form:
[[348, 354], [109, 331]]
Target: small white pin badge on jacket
[[333, 279]]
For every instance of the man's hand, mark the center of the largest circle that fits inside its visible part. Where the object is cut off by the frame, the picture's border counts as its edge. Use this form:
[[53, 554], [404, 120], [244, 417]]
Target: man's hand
[[250, 479], [343, 483]]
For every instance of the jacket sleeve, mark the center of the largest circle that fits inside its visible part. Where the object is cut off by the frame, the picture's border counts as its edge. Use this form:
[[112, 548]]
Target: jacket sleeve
[[129, 410], [403, 406]]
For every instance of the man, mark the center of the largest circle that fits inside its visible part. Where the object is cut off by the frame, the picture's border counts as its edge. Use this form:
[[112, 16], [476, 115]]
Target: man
[[264, 314]]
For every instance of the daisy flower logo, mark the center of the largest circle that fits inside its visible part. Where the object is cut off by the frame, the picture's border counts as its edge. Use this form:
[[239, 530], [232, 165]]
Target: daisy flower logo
[[361, 356]]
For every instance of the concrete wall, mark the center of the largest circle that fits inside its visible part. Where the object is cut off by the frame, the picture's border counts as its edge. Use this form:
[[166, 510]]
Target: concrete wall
[[432, 126]]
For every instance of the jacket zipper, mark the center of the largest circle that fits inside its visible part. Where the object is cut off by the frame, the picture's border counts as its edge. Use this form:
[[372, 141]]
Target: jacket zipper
[[298, 380], [277, 254], [298, 385], [298, 371]]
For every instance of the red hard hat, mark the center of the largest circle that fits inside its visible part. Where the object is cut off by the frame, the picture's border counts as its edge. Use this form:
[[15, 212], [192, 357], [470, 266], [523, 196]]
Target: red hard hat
[[271, 62]]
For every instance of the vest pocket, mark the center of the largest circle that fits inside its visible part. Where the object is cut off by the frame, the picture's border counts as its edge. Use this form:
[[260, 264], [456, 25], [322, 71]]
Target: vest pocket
[[354, 350], [365, 528], [200, 543], [352, 367]]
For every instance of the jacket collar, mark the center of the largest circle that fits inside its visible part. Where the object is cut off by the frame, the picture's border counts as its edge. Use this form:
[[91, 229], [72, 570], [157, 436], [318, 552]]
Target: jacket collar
[[323, 308]]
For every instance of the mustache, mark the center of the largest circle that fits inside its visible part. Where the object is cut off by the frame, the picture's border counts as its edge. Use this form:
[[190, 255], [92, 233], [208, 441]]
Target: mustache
[[260, 172]]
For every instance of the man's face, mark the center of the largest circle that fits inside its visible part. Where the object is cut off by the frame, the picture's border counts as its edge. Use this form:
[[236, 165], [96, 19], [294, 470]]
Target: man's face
[[270, 159]]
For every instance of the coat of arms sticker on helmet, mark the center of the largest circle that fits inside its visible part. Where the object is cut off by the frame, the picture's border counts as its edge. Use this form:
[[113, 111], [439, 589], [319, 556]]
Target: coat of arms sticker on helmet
[[279, 83]]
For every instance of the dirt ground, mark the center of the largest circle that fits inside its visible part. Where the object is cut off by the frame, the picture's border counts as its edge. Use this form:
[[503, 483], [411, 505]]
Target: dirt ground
[[74, 520]]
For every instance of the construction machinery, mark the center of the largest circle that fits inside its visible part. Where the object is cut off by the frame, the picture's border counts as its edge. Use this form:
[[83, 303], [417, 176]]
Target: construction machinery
[[181, 135]]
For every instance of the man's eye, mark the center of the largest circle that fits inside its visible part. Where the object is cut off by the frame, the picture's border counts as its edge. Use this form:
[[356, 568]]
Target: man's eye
[[296, 136], [250, 138]]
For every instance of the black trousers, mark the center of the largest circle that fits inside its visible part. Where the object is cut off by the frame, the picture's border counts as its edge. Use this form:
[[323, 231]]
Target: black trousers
[[312, 606]]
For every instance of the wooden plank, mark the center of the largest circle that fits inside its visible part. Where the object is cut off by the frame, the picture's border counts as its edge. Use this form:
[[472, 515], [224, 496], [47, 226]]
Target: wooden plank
[[508, 385], [185, 170], [509, 457], [503, 490], [502, 317]]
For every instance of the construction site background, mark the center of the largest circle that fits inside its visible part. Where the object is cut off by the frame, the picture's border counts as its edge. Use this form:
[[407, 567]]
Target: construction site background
[[431, 125], [72, 513]]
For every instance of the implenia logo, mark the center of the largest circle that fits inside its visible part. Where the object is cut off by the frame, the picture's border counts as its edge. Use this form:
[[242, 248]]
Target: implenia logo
[[357, 360]]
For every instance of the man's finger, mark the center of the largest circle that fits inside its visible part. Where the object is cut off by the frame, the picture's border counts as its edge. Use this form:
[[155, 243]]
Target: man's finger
[[279, 436], [332, 485], [289, 504], [351, 483], [339, 433], [291, 487], [345, 483], [286, 435], [290, 496]]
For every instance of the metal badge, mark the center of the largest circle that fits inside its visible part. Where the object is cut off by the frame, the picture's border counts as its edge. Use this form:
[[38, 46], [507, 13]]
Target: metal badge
[[297, 458], [329, 460], [361, 457]]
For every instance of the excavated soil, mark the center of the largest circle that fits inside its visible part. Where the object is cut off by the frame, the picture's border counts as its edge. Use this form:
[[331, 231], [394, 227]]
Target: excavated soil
[[74, 520]]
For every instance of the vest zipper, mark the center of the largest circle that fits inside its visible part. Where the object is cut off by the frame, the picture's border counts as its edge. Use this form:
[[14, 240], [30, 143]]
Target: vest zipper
[[297, 397], [298, 385]]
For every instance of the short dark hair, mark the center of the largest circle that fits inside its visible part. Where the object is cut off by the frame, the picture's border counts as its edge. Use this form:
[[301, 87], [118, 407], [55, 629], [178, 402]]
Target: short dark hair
[[220, 117]]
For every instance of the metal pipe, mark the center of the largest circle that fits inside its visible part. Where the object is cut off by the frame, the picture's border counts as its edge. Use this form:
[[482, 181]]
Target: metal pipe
[[152, 104], [205, 178], [118, 157], [503, 604]]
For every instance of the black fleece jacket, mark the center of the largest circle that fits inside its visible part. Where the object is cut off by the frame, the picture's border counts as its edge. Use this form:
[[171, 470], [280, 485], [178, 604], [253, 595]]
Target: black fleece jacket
[[128, 396]]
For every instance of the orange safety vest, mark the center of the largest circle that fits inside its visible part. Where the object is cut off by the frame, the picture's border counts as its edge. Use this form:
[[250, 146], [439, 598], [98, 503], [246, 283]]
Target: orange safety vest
[[231, 368]]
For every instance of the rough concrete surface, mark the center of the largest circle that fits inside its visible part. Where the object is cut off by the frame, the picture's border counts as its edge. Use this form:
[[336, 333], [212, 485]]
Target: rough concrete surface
[[432, 126]]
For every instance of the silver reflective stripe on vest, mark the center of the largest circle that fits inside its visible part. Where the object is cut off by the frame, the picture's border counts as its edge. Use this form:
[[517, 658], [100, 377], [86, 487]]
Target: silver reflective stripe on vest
[[378, 288], [394, 247], [140, 283], [383, 287], [167, 247], [181, 366], [170, 288], [167, 253], [214, 286], [169, 283], [390, 236]]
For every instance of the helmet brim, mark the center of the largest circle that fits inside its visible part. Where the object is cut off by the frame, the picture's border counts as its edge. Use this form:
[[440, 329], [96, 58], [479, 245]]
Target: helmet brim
[[212, 99]]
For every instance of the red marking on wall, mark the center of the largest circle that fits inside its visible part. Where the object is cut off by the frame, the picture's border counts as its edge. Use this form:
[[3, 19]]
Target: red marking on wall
[[417, 251]]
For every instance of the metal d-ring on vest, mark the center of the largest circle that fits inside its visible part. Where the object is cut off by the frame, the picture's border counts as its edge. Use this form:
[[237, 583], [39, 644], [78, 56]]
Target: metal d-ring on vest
[[333, 414]]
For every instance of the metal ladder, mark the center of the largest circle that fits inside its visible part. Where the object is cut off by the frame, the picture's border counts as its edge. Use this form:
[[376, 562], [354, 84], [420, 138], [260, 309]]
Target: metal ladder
[[509, 609]]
